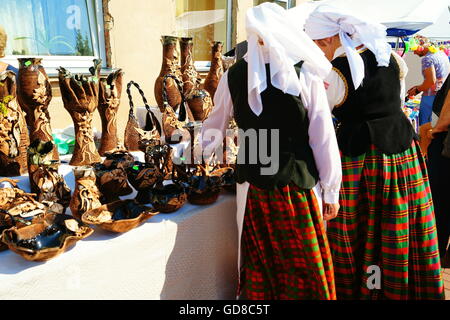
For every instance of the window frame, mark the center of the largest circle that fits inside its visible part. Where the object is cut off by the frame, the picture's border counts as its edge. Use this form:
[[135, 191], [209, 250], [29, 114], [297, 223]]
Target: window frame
[[204, 65], [75, 63]]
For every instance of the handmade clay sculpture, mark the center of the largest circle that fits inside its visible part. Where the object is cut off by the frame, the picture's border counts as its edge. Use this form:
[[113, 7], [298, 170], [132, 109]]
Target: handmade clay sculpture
[[110, 90], [80, 97], [13, 129], [45, 181], [34, 94], [86, 195]]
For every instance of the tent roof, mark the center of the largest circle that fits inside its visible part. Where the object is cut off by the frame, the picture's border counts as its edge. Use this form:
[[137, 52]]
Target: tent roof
[[401, 17]]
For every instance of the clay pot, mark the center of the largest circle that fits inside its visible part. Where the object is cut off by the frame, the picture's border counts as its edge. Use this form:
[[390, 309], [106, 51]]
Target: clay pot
[[14, 139], [143, 176], [110, 90], [86, 195], [203, 188], [168, 198], [118, 159], [200, 104], [80, 97], [216, 69], [112, 182], [46, 238], [34, 94], [170, 67], [119, 216]]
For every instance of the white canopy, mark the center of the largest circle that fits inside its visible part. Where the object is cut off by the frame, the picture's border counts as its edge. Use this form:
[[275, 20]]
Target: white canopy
[[411, 15]]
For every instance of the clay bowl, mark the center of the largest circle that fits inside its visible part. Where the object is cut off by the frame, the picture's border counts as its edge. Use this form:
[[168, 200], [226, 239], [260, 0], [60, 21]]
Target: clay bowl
[[46, 238], [8, 221], [203, 189], [119, 216], [226, 175], [143, 176], [168, 198], [118, 159]]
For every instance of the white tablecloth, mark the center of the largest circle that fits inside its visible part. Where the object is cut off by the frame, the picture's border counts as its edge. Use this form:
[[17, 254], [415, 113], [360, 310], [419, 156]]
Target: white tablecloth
[[189, 254]]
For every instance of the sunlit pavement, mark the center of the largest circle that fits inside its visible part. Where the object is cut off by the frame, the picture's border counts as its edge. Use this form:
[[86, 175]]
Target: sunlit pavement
[[447, 283]]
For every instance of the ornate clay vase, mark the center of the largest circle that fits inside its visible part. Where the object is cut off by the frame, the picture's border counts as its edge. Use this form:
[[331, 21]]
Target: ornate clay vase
[[110, 90], [198, 100], [14, 139], [170, 67], [216, 69], [86, 195], [111, 181], [80, 97], [45, 181], [34, 94], [189, 74]]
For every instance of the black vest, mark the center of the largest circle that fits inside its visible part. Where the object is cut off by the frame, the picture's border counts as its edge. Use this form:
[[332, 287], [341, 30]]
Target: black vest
[[372, 113], [439, 100], [280, 111]]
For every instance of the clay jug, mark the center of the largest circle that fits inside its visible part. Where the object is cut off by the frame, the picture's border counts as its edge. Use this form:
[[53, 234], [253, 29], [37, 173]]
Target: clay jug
[[34, 94]]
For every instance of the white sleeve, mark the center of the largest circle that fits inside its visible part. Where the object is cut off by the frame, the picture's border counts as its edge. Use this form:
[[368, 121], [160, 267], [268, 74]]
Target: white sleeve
[[220, 116], [403, 72], [322, 137], [336, 88]]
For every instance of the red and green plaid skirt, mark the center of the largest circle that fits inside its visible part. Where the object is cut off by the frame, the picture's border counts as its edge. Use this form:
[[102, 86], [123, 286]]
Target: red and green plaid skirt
[[386, 220], [285, 250]]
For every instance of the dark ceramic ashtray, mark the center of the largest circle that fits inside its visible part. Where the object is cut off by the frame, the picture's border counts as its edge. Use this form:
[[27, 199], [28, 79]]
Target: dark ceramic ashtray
[[46, 238]]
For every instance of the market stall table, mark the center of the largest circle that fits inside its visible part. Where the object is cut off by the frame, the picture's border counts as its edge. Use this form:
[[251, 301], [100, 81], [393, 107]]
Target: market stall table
[[188, 254]]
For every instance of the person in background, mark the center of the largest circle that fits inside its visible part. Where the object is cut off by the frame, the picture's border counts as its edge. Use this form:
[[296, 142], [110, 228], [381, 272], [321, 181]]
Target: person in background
[[439, 168], [435, 69], [3, 39], [383, 241], [278, 88]]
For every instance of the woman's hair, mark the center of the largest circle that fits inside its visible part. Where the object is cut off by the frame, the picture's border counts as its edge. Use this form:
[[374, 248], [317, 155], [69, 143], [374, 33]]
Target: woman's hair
[[3, 38]]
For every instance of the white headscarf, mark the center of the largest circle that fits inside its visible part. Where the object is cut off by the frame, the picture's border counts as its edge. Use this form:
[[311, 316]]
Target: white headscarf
[[285, 44], [326, 21]]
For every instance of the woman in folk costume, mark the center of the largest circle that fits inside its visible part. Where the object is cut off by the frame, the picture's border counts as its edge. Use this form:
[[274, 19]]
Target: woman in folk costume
[[386, 218], [278, 86]]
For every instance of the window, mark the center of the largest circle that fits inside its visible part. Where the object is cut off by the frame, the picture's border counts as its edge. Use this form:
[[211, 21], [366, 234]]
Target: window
[[65, 32], [205, 21], [284, 3]]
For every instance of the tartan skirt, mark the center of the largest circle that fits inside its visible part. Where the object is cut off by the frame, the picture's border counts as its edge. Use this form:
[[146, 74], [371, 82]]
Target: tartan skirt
[[285, 250], [386, 223]]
